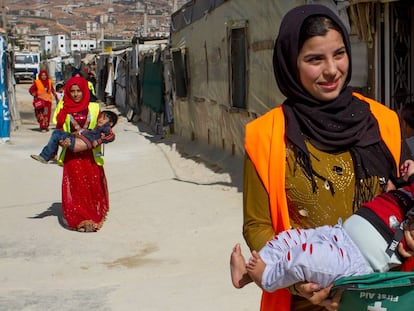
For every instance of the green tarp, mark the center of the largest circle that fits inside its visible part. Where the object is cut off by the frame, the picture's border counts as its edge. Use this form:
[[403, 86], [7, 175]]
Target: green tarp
[[152, 85]]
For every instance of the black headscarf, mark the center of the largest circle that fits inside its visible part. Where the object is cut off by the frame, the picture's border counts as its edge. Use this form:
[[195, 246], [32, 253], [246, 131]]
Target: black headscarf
[[344, 123]]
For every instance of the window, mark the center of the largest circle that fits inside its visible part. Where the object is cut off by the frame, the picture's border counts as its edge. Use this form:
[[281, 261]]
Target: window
[[26, 59], [180, 72], [238, 65]]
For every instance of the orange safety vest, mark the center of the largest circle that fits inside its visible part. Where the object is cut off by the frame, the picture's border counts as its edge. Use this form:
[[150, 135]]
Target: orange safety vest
[[265, 144], [41, 90]]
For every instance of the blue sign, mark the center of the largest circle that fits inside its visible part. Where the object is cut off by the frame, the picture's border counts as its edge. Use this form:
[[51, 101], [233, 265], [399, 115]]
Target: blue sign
[[4, 103]]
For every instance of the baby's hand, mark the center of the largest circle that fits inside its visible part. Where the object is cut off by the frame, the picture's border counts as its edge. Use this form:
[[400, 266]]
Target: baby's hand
[[407, 169]]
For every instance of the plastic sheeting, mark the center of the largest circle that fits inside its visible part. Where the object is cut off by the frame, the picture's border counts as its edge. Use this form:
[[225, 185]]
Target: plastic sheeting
[[121, 81], [4, 109], [152, 85]]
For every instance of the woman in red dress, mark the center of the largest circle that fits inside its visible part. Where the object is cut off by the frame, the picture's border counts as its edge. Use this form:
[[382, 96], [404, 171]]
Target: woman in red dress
[[85, 200], [42, 91]]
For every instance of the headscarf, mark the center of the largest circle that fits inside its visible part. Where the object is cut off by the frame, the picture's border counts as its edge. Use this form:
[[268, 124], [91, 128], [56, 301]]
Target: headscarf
[[69, 105], [345, 123], [45, 81]]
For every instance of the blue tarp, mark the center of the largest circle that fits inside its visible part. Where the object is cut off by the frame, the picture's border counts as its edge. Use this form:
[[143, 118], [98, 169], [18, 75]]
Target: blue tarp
[[4, 108]]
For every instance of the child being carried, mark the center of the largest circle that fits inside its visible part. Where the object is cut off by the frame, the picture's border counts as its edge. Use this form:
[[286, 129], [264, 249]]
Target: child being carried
[[83, 140]]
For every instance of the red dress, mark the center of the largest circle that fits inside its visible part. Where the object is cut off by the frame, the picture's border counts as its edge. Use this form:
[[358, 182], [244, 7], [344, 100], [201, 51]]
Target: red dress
[[42, 114], [85, 199]]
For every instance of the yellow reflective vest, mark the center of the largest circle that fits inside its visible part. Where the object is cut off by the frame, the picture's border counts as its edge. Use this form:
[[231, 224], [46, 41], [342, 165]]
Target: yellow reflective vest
[[94, 110]]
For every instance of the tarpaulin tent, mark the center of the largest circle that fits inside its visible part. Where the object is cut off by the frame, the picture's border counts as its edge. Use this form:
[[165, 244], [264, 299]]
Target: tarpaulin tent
[[152, 85], [4, 109]]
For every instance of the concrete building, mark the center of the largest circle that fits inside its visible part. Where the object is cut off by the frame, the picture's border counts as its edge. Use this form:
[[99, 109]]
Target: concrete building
[[54, 45], [82, 45]]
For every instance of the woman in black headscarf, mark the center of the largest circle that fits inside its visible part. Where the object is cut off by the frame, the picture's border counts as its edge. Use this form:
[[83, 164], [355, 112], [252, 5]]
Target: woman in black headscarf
[[322, 153]]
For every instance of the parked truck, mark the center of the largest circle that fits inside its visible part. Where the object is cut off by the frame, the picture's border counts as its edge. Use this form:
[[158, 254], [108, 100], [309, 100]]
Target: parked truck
[[26, 65]]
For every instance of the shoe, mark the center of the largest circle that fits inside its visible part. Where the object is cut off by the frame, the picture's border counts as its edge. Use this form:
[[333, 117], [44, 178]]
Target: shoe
[[53, 161], [87, 228], [90, 228], [38, 158]]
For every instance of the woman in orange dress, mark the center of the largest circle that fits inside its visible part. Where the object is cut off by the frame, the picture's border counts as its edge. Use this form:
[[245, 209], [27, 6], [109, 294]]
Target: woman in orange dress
[[42, 91]]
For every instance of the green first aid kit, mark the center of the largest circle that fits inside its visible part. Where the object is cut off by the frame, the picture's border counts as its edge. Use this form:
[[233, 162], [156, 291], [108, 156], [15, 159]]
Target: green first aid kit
[[382, 291]]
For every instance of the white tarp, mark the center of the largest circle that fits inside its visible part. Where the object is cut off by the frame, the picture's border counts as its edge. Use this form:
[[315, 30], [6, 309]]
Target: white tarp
[[89, 59]]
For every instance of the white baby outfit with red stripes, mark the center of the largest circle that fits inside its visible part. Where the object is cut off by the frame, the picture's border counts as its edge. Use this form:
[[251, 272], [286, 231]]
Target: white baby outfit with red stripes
[[319, 255]]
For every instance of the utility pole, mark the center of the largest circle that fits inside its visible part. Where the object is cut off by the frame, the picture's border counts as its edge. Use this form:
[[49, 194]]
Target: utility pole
[[3, 19], [102, 38]]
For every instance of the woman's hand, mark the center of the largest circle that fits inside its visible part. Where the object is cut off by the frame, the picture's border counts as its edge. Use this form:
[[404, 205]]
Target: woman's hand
[[332, 304], [409, 241], [408, 251], [65, 143], [318, 296]]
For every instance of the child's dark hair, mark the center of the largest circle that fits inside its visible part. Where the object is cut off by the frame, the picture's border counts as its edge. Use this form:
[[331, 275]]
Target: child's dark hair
[[59, 85], [112, 116]]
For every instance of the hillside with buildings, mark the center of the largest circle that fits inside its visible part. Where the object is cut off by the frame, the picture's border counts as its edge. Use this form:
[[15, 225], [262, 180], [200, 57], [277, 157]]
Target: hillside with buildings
[[90, 21]]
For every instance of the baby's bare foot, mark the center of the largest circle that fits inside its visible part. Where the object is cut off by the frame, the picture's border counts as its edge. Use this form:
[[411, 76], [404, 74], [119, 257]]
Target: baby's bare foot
[[255, 268], [239, 275]]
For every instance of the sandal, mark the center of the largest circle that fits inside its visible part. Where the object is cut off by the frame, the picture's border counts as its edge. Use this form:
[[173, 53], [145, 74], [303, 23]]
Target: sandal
[[90, 228], [87, 226]]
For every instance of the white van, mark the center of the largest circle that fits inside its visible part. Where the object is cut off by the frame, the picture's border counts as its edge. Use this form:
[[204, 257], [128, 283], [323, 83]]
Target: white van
[[26, 65]]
